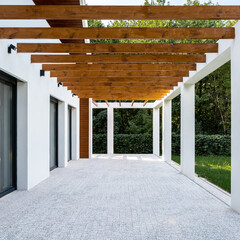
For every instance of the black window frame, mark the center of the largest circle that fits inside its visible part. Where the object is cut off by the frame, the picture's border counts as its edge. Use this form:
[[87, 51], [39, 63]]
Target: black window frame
[[12, 82]]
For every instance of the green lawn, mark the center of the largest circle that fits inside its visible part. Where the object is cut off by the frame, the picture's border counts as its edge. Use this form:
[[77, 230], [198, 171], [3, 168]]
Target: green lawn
[[216, 169]]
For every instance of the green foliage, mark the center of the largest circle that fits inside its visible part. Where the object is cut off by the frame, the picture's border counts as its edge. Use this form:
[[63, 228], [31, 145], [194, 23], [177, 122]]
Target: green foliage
[[218, 145], [216, 169], [124, 143]]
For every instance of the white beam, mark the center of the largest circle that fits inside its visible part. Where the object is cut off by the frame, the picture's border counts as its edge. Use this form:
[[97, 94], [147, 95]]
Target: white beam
[[110, 130], [90, 129], [157, 104], [235, 123], [188, 130], [123, 105], [167, 131], [156, 132]]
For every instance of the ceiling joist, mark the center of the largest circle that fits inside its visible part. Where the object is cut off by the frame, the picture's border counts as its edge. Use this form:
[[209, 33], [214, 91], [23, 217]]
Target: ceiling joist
[[54, 12], [117, 48], [116, 33]]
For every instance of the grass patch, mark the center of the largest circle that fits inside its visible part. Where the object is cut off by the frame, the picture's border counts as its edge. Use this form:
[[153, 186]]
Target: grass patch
[[216, 169]]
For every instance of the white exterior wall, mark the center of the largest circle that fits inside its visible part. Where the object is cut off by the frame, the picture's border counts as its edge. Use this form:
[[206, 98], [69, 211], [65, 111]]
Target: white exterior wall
[[33, 109]]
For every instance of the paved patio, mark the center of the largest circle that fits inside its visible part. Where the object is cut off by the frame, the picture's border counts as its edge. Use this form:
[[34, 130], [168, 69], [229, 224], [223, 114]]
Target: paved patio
[[122, 197]]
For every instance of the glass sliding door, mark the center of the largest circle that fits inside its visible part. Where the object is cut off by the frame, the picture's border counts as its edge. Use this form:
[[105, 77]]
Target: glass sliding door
[[69, 133], [53, 134], [7, 136]]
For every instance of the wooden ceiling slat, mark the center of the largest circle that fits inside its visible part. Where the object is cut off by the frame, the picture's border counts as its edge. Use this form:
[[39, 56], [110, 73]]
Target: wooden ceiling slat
[[183, 58], [174, 73], [118, 67], [120, 12], [120, 79], [117, 33], [117, 48]]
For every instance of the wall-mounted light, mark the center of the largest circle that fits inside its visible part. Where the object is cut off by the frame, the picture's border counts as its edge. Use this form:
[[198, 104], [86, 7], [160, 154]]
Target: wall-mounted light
[[73, 94], [42, 73], [11, 47], [60, 84]]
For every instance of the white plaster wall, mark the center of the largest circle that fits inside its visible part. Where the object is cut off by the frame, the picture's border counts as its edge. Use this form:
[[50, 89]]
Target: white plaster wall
[[34, 107]]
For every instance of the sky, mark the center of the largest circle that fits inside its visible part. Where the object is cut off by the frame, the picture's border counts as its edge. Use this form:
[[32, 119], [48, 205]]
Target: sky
[[140, 2]]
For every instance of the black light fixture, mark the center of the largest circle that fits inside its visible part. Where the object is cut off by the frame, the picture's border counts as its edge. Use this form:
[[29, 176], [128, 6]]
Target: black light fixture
[[73, 94], [11, 47], [42, 73], [60, 84]]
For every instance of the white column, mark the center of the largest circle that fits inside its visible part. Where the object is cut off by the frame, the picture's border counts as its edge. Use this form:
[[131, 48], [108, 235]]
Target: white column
[[188, 130], [167, 131], [62, 131], [156, 132], [235, 122], [90, 128], [110, 130]]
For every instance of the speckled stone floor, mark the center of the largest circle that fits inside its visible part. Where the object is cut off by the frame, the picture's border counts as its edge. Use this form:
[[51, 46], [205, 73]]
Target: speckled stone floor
[[121, 197]]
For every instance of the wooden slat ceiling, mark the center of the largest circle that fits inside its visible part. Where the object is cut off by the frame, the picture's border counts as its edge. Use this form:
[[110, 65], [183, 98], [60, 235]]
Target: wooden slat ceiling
[[138, 71]]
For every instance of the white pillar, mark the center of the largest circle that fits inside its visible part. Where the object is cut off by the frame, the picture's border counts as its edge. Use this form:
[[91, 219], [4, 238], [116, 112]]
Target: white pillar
[[90, 129], [188, 130], [167, 131], [235, 122], [156, 132], [62, 131], [110, 130]]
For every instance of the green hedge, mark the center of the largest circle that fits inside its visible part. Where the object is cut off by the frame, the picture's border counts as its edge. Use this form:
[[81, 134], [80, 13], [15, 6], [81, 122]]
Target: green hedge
[[218, 145], [205, 145], [124, 143]]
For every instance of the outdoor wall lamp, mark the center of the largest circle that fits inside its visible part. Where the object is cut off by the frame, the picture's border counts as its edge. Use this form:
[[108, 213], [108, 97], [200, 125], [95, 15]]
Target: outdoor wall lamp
[[73, 94], [11, 47], [42, 73], [60, 84]]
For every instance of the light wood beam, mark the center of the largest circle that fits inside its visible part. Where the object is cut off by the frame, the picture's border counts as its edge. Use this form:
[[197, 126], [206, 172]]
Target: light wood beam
[[117, 33], [106, 102], [119, 67], [144, 104], [78, 74], [117, 48], [129, 58], [67, 12], [132, 103], [94, 103]]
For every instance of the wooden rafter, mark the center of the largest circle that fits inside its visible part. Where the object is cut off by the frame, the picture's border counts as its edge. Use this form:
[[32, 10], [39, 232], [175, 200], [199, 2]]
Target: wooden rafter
[[118, 67], [119, 103], [78, 74], [121, 12], [132, 103], [117, 33], [106, 101], [125, 58], [117, 48], [145, 102], [94, 103]]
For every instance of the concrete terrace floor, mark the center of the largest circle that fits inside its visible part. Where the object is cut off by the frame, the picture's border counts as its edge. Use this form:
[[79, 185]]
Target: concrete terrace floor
[[119, 197]]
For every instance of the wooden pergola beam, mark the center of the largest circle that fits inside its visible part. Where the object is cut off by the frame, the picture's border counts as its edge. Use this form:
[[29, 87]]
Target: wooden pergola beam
[[132, 103], [164, 89], [117, 33], [106, 101], [124, 58], [144, 104], [119, 79], [119, 103], [140, 74], [117, 48], [60, 12], [94, 103], [119, 67]]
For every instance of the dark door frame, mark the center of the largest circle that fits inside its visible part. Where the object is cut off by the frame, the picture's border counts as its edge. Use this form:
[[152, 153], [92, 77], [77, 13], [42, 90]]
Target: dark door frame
[[54, 100], [70, 132], [12, 82]]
